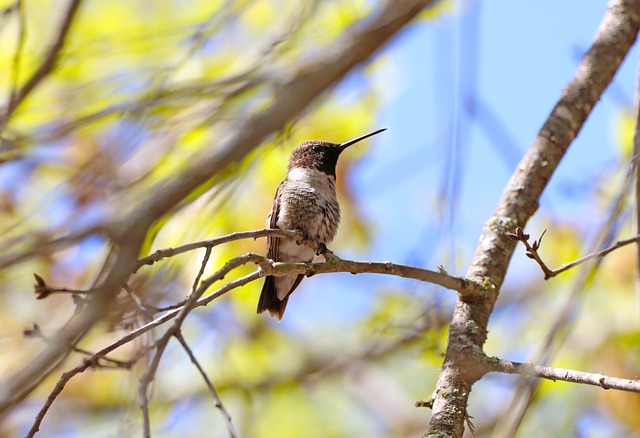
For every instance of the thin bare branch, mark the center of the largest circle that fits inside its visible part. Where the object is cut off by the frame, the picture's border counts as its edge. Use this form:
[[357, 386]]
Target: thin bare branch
[[43, 246], [212, 389], [114, 363], [210, 243], [562, 374], [549, 273], [43, 290], [334, 263], [203, 266]]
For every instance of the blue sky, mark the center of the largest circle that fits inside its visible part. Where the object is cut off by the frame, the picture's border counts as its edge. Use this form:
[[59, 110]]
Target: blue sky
[[514, 58]]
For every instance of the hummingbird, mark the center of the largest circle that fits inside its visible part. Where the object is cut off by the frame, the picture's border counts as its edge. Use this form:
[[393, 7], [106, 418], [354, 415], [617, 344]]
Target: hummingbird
[[306, 200]]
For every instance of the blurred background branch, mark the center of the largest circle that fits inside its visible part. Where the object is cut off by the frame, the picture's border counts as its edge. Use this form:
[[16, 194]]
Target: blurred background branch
[[132, 208], [161, 124]]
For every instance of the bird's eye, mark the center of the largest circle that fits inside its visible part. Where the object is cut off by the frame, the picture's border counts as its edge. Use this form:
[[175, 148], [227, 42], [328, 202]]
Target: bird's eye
[[316, 148]]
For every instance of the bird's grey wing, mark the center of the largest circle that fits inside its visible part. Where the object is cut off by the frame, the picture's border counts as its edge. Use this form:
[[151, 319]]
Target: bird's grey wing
[[272, 222]]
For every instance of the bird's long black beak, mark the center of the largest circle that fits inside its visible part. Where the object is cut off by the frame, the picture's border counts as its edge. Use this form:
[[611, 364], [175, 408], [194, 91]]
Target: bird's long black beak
[[343, 146]]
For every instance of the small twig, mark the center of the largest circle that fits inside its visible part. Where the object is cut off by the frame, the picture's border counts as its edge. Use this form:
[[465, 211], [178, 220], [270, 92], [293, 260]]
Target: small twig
[[203, 265], [210, 243], [562, 374], [115, 363], [532, 252], [34, 332], [144, 309], [42, 290], [212, 389]]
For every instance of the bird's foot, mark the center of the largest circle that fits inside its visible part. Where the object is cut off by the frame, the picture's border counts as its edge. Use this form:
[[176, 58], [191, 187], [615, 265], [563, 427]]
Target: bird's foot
[[322, 249], [305, 237]]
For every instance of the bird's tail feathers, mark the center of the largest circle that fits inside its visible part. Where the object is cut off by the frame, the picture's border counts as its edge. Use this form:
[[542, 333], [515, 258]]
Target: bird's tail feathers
[[269, 299]]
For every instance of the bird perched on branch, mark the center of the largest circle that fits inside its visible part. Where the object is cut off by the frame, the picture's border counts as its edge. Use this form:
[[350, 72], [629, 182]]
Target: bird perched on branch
[[306, 201]]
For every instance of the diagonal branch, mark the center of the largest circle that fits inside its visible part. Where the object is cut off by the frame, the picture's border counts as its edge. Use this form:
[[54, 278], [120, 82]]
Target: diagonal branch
[[560, 326], [519, 201], [48, 63], [17, 58], [212, 389]]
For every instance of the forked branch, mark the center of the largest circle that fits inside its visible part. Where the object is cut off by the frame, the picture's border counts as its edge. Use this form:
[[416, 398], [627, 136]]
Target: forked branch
[[532, 252]]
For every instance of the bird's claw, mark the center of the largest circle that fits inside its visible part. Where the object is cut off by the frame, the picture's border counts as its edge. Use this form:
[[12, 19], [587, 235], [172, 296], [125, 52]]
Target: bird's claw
[[322, 249], [305, 237]]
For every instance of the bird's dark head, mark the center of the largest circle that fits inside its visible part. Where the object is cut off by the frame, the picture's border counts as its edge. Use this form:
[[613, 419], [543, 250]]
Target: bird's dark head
[[321, 155]]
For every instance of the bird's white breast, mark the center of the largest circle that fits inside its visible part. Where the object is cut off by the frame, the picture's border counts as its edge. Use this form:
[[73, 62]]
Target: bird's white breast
[[308, 203], [314, 179]]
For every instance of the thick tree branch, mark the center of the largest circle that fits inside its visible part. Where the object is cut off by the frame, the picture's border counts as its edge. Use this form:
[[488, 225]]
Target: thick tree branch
[[562, 322], [519, 202], [306, 83]]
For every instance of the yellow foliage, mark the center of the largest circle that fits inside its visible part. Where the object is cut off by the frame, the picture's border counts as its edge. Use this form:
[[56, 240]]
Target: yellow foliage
[[625, 125], [260, 14]]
